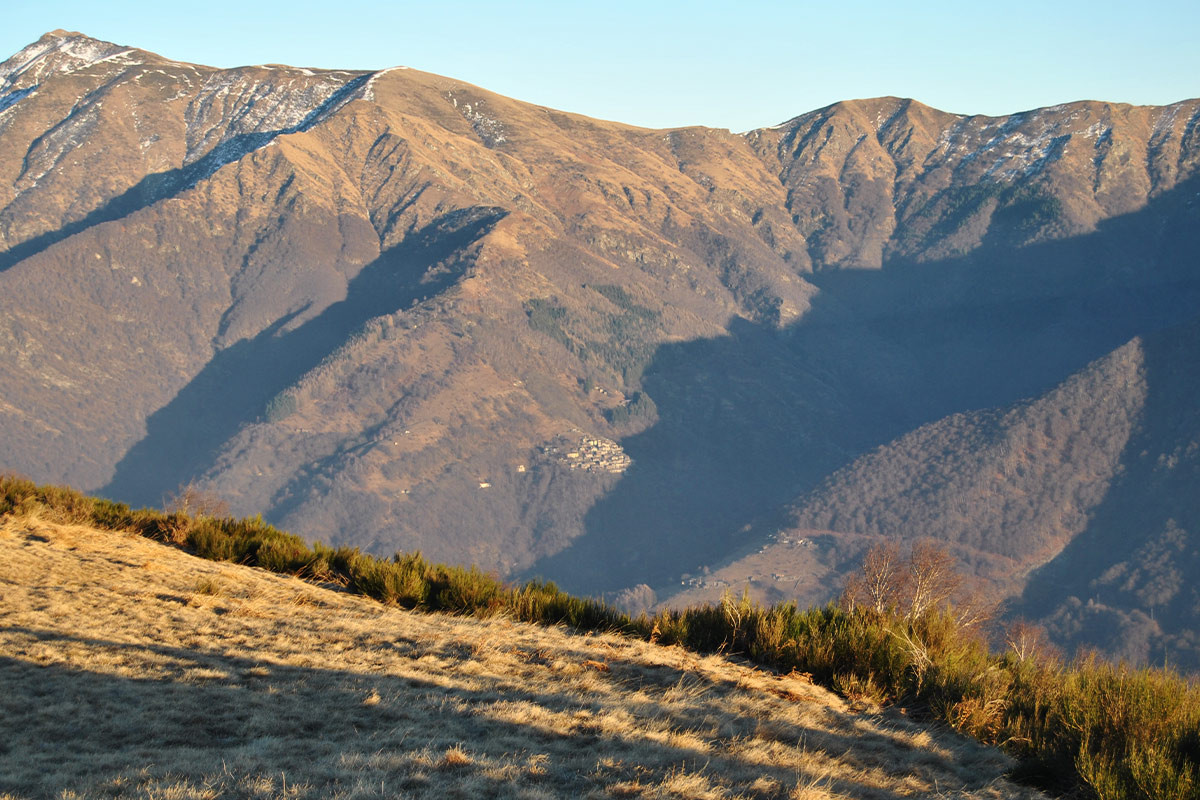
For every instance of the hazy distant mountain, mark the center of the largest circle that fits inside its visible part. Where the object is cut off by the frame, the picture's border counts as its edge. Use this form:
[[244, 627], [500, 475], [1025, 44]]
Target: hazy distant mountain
[[395, 310]]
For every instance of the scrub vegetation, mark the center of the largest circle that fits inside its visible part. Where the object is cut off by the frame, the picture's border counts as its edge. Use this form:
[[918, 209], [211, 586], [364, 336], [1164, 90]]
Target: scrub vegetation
[[1083, 727]]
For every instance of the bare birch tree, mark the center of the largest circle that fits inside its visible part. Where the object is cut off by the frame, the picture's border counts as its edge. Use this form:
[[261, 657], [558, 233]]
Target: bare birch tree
[[932, 577]]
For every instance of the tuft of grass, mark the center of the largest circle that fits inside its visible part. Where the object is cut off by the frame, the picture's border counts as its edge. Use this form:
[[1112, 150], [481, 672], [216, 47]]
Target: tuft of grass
[[1087, 727], [208, 586], [455, 757]]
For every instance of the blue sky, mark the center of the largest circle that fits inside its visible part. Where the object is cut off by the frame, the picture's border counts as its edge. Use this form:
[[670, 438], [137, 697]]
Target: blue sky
[[662, 64]]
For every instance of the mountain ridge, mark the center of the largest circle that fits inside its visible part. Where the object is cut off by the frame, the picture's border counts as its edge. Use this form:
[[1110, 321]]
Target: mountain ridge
[[384, 307]]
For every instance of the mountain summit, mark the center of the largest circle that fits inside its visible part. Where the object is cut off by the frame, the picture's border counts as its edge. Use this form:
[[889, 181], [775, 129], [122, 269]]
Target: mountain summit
[[395, 310]]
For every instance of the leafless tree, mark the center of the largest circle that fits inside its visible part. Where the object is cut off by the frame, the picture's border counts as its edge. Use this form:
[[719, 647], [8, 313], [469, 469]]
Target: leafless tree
[[932, 577], [913, 586], [1028, 641], [973, 609], [192, 500], [878, 585]]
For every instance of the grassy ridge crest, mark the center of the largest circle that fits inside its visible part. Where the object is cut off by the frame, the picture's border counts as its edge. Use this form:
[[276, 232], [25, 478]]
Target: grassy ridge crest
[[1086, 728]]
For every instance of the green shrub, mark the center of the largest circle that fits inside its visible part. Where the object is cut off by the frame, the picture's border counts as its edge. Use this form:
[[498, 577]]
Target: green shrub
[[208, 540], [466, 591], [547, 316], [281, 555], [640, 406]]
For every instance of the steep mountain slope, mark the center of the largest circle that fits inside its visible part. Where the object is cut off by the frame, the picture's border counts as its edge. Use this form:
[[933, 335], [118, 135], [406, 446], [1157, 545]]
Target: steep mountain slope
[[132, 669], [1019, 483], [1128, 584], [394, 310]]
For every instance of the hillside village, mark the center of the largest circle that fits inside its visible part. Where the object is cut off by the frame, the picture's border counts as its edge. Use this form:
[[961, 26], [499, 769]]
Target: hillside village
[[590, 454]]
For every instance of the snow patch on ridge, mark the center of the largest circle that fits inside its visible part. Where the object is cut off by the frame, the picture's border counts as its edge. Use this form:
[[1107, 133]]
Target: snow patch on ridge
[[1164, 124], [1020, 146], [489, 129], [263, 112], [55, 55], [54, 145], [369, 89], [235, 105], [229, 113]]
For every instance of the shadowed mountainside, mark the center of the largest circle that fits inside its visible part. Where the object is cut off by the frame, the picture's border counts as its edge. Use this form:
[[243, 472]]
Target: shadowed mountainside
[[748, 421], [1127, 584], [182, 436]]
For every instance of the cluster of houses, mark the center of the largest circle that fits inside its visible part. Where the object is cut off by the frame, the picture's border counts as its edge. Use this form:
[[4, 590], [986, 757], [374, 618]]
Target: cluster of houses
[[588, 453], [596, 454]]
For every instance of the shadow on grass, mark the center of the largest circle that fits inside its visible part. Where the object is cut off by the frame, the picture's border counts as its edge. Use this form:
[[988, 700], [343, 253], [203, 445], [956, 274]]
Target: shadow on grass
[[228, 724]]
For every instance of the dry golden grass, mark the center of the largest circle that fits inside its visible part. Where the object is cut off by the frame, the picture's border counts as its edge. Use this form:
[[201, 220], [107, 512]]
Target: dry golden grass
[[130, 669]]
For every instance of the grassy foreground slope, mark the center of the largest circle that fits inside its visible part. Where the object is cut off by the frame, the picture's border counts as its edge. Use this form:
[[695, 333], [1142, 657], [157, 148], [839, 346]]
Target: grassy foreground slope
[[1083, 729], [133, 669]]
